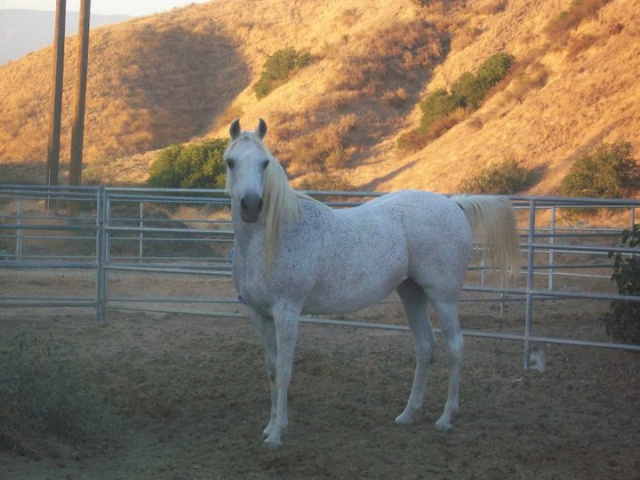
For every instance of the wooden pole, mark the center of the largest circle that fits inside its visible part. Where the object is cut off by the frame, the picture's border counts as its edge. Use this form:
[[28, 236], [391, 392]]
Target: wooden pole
[[53, 148], [77, 129]]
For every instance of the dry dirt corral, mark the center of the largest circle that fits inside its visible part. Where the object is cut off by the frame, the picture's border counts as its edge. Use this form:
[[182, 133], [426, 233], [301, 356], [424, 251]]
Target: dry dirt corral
[[193, 398]]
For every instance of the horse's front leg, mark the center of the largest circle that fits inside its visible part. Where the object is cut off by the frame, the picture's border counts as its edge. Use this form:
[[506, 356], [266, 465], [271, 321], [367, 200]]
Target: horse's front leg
[[267, 332], [286, 334]]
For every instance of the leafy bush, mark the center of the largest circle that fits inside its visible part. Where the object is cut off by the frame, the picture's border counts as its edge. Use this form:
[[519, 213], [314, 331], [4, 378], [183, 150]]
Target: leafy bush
[[190, 166], [469, 90], [623, 323], [442, 109], [607, 171], [278, 67], [439, 103], [494, 69], [46, 406], [503, 178]]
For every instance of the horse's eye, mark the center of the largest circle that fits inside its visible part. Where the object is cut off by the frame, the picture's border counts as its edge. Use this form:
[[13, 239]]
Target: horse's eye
[[265, 164], [230, 164]]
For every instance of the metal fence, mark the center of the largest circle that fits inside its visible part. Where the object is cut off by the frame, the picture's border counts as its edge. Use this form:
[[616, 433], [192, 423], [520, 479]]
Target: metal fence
[[110, 248]]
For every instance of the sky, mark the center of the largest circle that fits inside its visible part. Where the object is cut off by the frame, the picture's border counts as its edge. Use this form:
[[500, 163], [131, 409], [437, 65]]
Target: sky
[[104, 7]]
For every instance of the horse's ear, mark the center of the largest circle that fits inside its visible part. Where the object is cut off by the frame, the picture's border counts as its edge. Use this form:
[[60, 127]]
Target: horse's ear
[[261, 131], [234, 129]]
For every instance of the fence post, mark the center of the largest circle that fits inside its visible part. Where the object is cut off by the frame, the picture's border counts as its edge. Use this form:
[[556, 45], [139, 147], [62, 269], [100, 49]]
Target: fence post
[[101, 253], [19, 232], [530, 261], [141, 234], [552, 231]]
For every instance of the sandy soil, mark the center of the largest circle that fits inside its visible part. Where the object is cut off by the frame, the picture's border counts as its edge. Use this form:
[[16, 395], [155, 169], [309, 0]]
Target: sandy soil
[[192, 396]]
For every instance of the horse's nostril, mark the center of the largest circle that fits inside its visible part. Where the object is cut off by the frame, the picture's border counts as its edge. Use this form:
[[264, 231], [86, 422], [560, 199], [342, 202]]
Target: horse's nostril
[[243, 204], [260, 203]]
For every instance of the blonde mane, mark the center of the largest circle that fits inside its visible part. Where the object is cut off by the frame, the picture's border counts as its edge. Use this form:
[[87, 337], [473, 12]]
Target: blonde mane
[[281, 207]]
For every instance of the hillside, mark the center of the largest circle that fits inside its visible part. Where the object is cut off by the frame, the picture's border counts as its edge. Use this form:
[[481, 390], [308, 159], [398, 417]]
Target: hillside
[[186, 74], [591, 95]]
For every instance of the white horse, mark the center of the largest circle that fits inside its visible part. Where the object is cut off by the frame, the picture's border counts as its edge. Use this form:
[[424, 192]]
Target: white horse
[[294, 255]]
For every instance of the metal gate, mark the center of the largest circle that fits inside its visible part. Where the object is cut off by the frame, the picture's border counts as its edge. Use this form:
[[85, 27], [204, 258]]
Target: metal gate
[[98, 236]]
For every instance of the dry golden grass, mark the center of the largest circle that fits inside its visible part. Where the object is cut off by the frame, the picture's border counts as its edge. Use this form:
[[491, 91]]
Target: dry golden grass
[[187, 73], [525, 79], [560, 27]]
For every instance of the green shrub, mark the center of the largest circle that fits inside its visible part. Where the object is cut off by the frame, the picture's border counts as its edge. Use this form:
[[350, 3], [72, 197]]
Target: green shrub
[[607, 171], [623, 323], [502, 178], [190, 166], [494, 69], [469, 90], [439, 103], [278, 67], [441, 109]]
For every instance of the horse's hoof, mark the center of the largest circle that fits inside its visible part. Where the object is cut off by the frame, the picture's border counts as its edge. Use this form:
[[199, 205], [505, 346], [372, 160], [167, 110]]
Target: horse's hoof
[[444, 426], [404, 419], [268, 430], [273, 443]]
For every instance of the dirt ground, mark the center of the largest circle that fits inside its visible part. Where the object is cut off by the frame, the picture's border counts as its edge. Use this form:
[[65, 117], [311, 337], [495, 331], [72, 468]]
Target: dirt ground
[[191, 395]]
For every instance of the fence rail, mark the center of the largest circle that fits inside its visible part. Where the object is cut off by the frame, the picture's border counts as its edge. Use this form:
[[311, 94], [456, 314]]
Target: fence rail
[[159, 233]]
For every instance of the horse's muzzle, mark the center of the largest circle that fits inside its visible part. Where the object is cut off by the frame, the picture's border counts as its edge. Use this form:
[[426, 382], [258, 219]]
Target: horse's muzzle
[[250, 207]]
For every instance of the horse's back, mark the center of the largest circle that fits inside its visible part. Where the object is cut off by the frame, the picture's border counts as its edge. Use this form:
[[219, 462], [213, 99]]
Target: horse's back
[[428, 220]]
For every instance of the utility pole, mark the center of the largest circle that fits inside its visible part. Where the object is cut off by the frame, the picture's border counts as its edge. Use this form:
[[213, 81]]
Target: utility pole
[[53, 148], [77, 130]]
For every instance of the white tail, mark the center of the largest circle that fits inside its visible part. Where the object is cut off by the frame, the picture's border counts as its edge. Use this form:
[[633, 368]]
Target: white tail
[[493, 224]]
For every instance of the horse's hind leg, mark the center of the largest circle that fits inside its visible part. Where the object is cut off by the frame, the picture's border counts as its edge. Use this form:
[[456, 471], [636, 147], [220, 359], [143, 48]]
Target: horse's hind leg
[[450, 326], [416, 304]]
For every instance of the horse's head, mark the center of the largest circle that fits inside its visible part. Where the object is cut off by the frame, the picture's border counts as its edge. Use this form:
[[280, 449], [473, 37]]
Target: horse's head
[[247, 160]]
